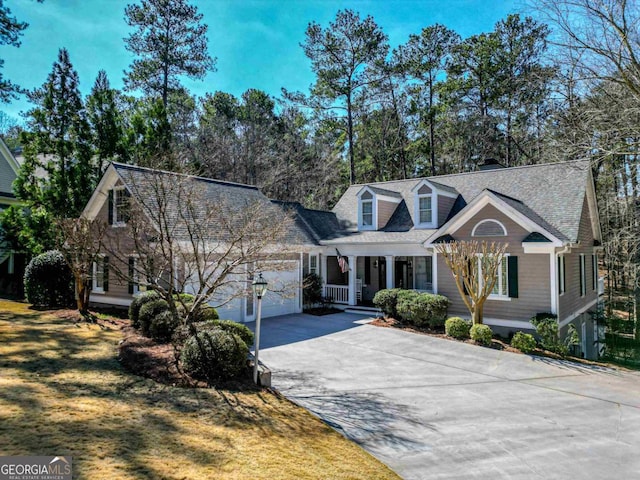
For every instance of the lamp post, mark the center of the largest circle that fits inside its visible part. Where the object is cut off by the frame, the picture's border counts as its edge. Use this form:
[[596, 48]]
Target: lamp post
[[259, 289]]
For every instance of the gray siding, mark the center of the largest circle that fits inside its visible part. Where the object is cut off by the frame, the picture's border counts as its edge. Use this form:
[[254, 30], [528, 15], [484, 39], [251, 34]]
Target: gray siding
[[571, 301], [533, 274]]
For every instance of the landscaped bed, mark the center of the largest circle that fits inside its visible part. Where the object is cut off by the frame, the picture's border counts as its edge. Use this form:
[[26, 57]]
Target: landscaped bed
[[64, 392]]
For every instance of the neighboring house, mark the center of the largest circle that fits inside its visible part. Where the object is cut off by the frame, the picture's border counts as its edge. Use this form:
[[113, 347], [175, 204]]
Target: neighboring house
[[122, 183], [387, 234], [546, 213], [11, 263]]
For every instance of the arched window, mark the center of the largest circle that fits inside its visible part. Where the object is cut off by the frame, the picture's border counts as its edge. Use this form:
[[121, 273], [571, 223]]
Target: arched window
[[489, 228]]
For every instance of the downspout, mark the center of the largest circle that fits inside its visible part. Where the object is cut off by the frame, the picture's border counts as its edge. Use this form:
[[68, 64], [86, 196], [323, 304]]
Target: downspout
[[564, 250]]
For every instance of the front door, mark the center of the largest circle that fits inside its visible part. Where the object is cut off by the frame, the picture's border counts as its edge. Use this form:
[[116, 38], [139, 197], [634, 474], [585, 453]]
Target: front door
[[404, 273]]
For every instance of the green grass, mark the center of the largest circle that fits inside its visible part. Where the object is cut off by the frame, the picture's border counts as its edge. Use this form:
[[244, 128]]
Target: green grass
[[63, 392]]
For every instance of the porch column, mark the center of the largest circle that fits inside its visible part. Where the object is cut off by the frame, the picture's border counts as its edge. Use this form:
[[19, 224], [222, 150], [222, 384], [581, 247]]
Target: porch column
[[322, 265], [390, 270], [352, 279]]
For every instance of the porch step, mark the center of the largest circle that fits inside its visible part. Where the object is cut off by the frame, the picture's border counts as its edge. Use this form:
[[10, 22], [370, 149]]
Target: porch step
[[363, 310]]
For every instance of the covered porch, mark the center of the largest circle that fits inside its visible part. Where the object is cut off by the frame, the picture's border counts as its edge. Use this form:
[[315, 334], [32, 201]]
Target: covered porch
[[369, 274]]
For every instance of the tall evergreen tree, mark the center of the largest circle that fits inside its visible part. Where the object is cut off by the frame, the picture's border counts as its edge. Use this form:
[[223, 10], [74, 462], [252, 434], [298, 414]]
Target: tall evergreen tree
[[59, 143], [423, 59], [345, 57], [169, 40], [105, 120]]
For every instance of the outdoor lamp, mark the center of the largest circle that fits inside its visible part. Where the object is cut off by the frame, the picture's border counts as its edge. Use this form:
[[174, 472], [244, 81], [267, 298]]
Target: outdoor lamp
[[259, 289], [259, 286]]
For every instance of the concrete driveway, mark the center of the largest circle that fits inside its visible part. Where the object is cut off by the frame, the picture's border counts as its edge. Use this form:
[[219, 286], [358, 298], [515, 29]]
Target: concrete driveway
[[433, 409]]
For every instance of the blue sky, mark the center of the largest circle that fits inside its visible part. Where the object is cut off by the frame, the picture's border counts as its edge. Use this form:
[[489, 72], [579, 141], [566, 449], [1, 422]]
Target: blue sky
[[257, 42]]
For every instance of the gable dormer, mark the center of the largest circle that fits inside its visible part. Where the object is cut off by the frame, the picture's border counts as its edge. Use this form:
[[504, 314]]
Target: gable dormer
[[432, 203], [375, 207]]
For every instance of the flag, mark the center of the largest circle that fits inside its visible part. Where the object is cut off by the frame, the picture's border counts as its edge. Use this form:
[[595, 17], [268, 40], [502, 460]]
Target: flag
[[342, 262]]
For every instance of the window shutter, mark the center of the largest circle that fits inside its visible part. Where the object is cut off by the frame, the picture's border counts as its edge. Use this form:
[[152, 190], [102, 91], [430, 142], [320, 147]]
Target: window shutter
[[367, 270], [105, 267], [464, 285], [132, 262], [512, 268], [110, 207]]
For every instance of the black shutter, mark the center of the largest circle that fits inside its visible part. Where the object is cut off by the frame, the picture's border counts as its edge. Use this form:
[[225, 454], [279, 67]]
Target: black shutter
[[132, 262], [105, 267], [367, 270], [110, 207], [512, 269]]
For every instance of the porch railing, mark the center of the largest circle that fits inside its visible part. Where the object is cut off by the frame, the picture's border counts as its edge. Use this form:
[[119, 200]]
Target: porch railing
[[337, 293]]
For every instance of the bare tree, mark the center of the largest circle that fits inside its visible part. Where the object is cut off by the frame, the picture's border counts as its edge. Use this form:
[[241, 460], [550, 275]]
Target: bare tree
[[475, 269], [80, 241], [198, 236], [603, 34]]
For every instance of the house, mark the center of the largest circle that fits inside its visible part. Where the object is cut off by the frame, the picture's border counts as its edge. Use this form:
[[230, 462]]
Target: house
[[11, 263], [546, 213], [123, 187], [387, 233]]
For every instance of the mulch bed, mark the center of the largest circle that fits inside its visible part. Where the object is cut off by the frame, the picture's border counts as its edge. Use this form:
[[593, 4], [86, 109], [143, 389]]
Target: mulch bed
[[320, 311], [496, 343], [143, 356]]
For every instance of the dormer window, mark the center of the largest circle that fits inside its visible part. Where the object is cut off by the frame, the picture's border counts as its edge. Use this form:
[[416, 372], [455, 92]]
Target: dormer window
[[431, 203], [367, 213], [425, 210], [376, 206]]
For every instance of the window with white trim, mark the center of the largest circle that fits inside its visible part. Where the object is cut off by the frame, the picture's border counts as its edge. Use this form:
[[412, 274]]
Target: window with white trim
[[489, 228], [120, 206], [367, 212], [561, 274], [501, 287], [313, 264], [98, 276], [423, 268], [425, 209], [583, 276]]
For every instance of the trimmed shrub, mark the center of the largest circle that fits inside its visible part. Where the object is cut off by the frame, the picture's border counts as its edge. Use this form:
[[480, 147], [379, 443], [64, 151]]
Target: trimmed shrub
[[386, 300], [162, 326], [236, 328], [422, 309], [148, 311], [208, 314], [48, 281], [138, 301], [457, 327], [481, 334], [548, 330], [312, 289], [523, 342], [214, 355]]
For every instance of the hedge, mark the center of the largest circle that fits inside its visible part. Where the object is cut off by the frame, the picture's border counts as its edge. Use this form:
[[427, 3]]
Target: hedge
[[48, 281]]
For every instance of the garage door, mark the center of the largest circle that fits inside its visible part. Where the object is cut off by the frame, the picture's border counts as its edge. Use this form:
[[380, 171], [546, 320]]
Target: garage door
[[283, 294]]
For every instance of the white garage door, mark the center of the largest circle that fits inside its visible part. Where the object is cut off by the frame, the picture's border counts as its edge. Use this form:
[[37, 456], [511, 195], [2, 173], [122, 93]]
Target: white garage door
[[283, 294], [282, 298]]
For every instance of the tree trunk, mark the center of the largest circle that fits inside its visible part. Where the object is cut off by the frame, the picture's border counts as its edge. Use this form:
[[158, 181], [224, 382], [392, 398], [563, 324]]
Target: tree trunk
[[432, 134], [477, 316], [352, 164]]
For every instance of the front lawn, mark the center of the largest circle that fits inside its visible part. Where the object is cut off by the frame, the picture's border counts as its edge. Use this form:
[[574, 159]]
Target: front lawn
[[63, 392]]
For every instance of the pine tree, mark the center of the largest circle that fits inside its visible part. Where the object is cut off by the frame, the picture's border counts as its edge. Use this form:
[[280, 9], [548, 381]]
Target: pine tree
[[105, 120], [59, 143], [169, 41]]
